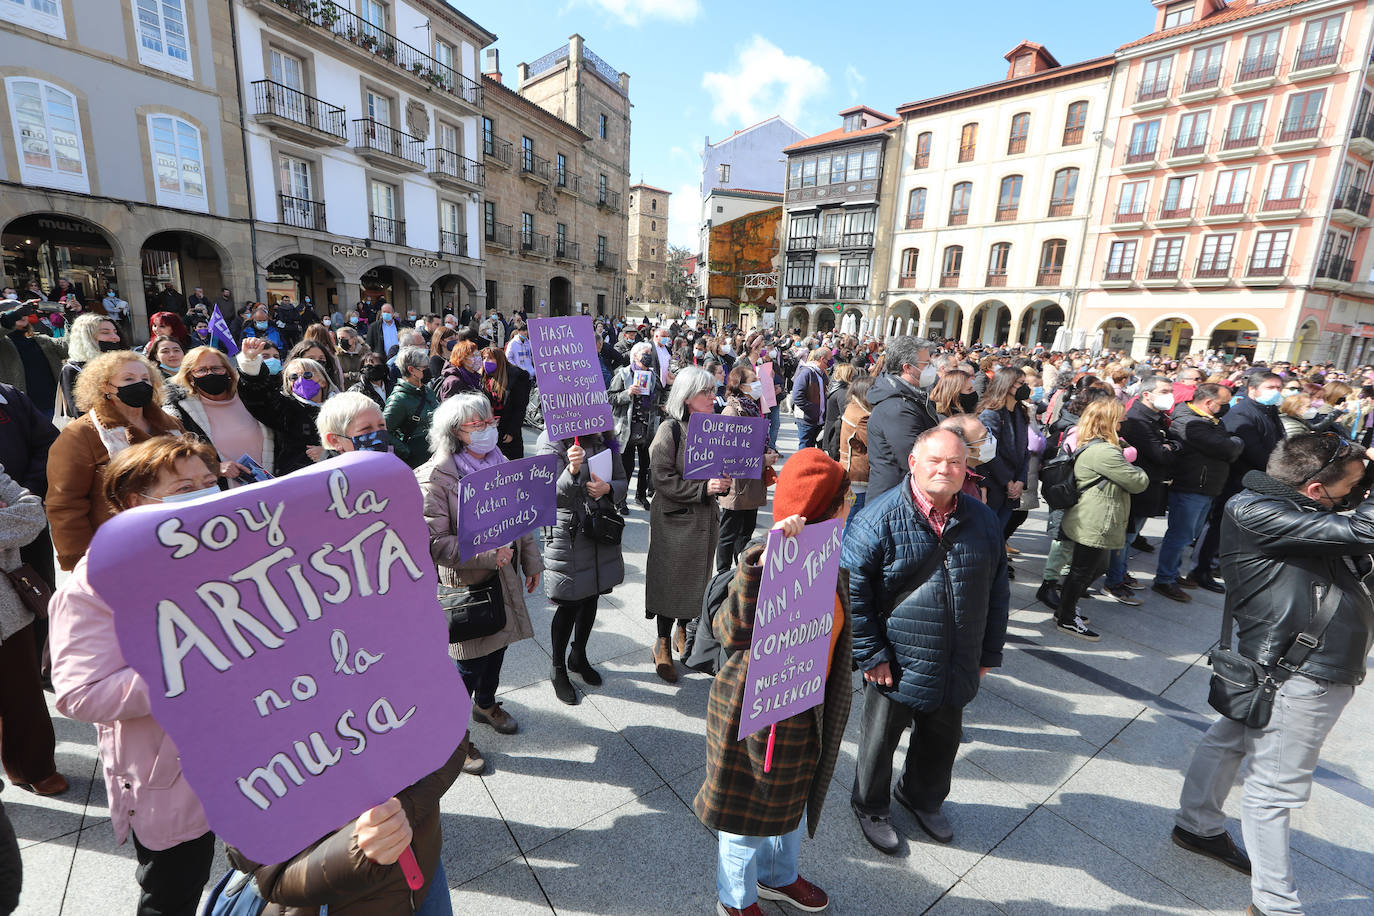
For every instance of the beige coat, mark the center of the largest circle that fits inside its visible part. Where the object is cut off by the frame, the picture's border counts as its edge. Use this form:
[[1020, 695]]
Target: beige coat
[[439, 479], [684, 526]]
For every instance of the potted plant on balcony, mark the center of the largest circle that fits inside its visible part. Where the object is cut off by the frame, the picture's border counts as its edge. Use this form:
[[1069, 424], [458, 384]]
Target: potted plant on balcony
[[388, 51]]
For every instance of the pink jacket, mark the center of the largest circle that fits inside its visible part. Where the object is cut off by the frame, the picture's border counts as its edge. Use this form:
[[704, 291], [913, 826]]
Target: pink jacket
[[143, 778]]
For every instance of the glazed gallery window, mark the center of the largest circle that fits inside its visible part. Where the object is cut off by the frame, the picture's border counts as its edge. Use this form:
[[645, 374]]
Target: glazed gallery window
[[287, 70], [162, 41], [47, 134], [294, 175], [39, 15]]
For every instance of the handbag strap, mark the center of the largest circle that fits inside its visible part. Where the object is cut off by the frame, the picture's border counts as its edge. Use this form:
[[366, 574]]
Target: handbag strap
[[1303, 643]]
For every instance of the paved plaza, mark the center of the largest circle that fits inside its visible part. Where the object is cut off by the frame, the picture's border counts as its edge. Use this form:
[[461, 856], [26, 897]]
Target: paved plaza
[[1062, 800]]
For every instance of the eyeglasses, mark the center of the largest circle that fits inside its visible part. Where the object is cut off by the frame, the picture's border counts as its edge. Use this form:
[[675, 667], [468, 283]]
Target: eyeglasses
[[475, 425], [202, 373]]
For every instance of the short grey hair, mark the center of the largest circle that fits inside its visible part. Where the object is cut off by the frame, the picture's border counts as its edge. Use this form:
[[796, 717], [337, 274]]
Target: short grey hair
[[338, 413], [453, 413], [317, 372], [409, 337], [962, 425], [639, 350], [903, 351], [690, 382], [944, 361], [412, 358]]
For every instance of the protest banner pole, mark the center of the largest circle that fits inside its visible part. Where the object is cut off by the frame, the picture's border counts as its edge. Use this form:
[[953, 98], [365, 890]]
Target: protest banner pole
[[768, 756]]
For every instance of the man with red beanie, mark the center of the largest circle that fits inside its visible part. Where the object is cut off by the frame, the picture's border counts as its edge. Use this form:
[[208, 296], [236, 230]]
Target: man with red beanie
[[758, 815], [928, 591]]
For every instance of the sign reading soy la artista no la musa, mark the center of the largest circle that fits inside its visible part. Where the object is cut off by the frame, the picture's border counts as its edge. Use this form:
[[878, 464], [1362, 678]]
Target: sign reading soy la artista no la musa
[[794, 621], [292, 643], [572, 391]]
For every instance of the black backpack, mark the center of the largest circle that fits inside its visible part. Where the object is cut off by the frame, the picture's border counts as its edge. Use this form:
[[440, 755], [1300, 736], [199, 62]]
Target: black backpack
[[1058, 484]]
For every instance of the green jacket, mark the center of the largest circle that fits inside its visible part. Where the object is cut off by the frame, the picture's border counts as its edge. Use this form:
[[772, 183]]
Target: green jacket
[[407, 414], [1099, 518]]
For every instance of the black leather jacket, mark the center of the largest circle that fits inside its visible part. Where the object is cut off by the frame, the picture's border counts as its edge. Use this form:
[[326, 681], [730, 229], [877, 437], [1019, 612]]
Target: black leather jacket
[[1280, 554]]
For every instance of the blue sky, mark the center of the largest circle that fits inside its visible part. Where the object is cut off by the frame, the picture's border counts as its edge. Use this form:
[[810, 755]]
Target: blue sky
[[709, 67]]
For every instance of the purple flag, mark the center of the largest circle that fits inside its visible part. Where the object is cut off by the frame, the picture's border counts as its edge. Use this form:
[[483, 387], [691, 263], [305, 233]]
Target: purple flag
[[292, 644], [719, 446], [498, 505], [219, 330], [572, 390], [793, 624]]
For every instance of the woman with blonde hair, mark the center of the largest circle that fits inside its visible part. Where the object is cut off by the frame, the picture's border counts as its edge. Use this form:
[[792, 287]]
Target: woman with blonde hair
[[1296, 413], [204, 398], [87, 337], [508, 387], [1096, 525], [120, 395]]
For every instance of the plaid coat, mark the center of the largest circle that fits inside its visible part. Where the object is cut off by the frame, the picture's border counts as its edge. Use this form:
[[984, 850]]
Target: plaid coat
[[737, 796]]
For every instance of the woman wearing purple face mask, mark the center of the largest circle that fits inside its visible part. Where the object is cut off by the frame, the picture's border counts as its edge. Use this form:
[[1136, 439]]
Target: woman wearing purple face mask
[[287, 404], [508, 387]]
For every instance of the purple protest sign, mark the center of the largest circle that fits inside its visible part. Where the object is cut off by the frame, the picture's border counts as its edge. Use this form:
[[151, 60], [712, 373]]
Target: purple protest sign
[[720, 446], [292, 643], [499, 504], [572, 391], [792, 625]]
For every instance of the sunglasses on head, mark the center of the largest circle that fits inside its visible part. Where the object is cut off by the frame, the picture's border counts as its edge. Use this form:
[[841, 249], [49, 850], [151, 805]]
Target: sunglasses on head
[[1342, 450]]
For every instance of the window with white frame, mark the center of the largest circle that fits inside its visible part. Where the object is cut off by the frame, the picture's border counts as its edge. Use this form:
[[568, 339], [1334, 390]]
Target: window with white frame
[[295, 178], [451, 224], [443, 55], [162, 39], [40, 15], [1121, 258], [47, 134], [373, 12], [178, 165], [287, 69], [383, 200]]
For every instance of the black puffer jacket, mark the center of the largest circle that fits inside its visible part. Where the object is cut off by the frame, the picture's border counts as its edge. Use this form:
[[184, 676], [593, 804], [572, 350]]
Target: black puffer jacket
[[1280, 554], [1207, 450], [953, 623], [1147, 430], [900, 414]]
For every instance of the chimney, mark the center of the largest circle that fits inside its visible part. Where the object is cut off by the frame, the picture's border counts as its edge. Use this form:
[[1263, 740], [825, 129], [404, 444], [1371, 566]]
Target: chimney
[[492, 67]]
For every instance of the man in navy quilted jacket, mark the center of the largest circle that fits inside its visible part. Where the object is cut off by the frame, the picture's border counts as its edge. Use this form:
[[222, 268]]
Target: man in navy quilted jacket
[[928, 593]]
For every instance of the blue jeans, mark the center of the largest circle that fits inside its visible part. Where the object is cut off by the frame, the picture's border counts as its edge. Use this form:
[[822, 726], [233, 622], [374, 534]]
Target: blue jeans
[[745, 861], [1187, 513], [438, 902], [481, 676], [1116, 567], [807, 434], [774, 427]]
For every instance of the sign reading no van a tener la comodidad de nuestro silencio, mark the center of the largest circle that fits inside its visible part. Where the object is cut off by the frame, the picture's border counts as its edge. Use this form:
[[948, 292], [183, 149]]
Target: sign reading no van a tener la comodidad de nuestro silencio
[[292, 643]]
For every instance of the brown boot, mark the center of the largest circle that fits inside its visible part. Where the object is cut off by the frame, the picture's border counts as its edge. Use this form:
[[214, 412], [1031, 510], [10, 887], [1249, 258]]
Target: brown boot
[[679, 638], [663, 660]]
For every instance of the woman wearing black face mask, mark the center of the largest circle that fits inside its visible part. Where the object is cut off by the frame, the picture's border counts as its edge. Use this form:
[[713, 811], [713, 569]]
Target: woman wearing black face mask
[[374, 379], [121, 394], [635, 394], [350, 422], [1005, 474], [204, 398], [87, 337]]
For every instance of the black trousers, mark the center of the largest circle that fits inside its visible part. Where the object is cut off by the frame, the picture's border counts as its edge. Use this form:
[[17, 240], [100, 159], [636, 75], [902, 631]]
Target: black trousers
[[27, 741], [11, 866], [1087, 564], [736, 528], [172, 879], [929, 757], [643, 486]]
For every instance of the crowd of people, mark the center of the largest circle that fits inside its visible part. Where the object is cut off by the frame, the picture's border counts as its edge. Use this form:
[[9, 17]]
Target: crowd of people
[[931, 454]]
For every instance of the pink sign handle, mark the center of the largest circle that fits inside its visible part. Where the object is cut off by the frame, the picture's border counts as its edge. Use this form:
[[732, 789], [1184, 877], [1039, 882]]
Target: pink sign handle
[[415, 879], [767, 757]]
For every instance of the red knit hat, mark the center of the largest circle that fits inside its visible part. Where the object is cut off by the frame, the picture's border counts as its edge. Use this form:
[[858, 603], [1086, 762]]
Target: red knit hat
[[808, 485]]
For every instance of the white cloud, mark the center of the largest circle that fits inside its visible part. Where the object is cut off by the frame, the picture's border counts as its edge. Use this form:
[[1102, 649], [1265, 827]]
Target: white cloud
[[633, 12], [684, 217], [765, 82], [854, 82]]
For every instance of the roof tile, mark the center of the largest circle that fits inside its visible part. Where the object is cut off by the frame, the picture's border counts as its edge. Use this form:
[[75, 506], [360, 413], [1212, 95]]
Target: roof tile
[[1241, 9]]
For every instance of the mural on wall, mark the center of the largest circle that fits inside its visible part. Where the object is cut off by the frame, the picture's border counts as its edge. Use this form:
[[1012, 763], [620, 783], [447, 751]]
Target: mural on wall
[[745, 247]]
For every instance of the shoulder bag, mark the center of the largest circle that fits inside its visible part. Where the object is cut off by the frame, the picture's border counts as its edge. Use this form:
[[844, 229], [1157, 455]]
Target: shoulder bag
[[1242, 689], [33, 590], [473, 611]]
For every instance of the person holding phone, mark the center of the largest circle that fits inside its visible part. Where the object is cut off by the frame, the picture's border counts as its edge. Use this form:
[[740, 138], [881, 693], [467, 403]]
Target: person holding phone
[[635, 394]]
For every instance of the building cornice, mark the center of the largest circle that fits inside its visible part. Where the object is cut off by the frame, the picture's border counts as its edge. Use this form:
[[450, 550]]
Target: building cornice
[[1086, 71]]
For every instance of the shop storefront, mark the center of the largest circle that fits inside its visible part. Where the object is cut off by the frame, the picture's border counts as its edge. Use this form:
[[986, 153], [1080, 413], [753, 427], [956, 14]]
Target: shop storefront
[[44, 247]]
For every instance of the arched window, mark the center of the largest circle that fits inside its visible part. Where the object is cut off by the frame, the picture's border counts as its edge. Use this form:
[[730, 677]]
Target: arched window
[[653, 204], [959, 202], [952, 265], [1020, 130], [916, 208], [1074, 122], [1063, 191], [47, 134], [1051, 262], [923, 142], [653, 225], [968, 142], [1008, 198], [910, 258], [178, 166], [998, 259]]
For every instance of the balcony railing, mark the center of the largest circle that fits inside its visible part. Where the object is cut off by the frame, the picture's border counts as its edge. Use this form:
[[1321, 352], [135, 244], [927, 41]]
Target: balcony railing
[[1354, 200], [1175, 209], [1306, 127], [1141, 153], [1240, 137], [390, 231], [830, 240], [608, 260], [1212, 269], [950, 280], [565, 250], [857, 240], [1007, 214], [996, 278], [353, 28], [1049, 276], [453, 243], [1162, 271], [1282, 200], [1152, 90], [1266, 267], [906, 281], [1119, 274], [1203, 78], [534, 242], [1258, 67], [493, 147], [536, 166], [499, 234], [1316, 54], [922, 161], [568, 180], [1134, 215], [607, 198], [1061, 207], [854, 292], [958, 217], [272, 98], [374, 136], [302, 213], [1016, 145], [1363, 127], [1227, 207], [1334, 267], [1073, 135], [445, 163], [1190, 145], [798, 291], [823, 291], [802, 243], [966, 153], [915, 222]]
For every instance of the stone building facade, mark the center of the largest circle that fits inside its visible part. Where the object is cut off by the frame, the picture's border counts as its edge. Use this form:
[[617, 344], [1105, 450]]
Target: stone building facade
[[646, 268]]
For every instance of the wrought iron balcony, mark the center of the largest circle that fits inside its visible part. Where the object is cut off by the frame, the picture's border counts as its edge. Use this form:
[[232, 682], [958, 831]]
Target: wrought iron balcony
[[302, 213], [1216, 268], [495, 150], [1177, 209], [387, 146], [1137, 154], [915, 222], [1122, 274], [1227, 206], [1266, 267], [1049, 276], [1316, 54], [295, 114], [607, 260], [906, 281], [608, 199], [996, 278], [1007, 214], [857, 240], [1163, 271], [1283, 200], [534, 243], [566, 180], [447, 167], [801, 243], [1194, 145], [1354, 200], [1306, 127], [823, 291], [390, 231], [498, 234], [958, 217], [533, 166], [798, 291], [1201, 78], [1258, 67], [1334, 267], [453, 243], [1135, 213], [1241, 137], [1061, 206], [854, 291], [565, 250], [949, 280], [1152, 90]]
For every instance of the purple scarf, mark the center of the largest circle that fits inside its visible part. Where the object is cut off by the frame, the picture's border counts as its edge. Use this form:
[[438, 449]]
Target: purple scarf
[[466, 462]]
